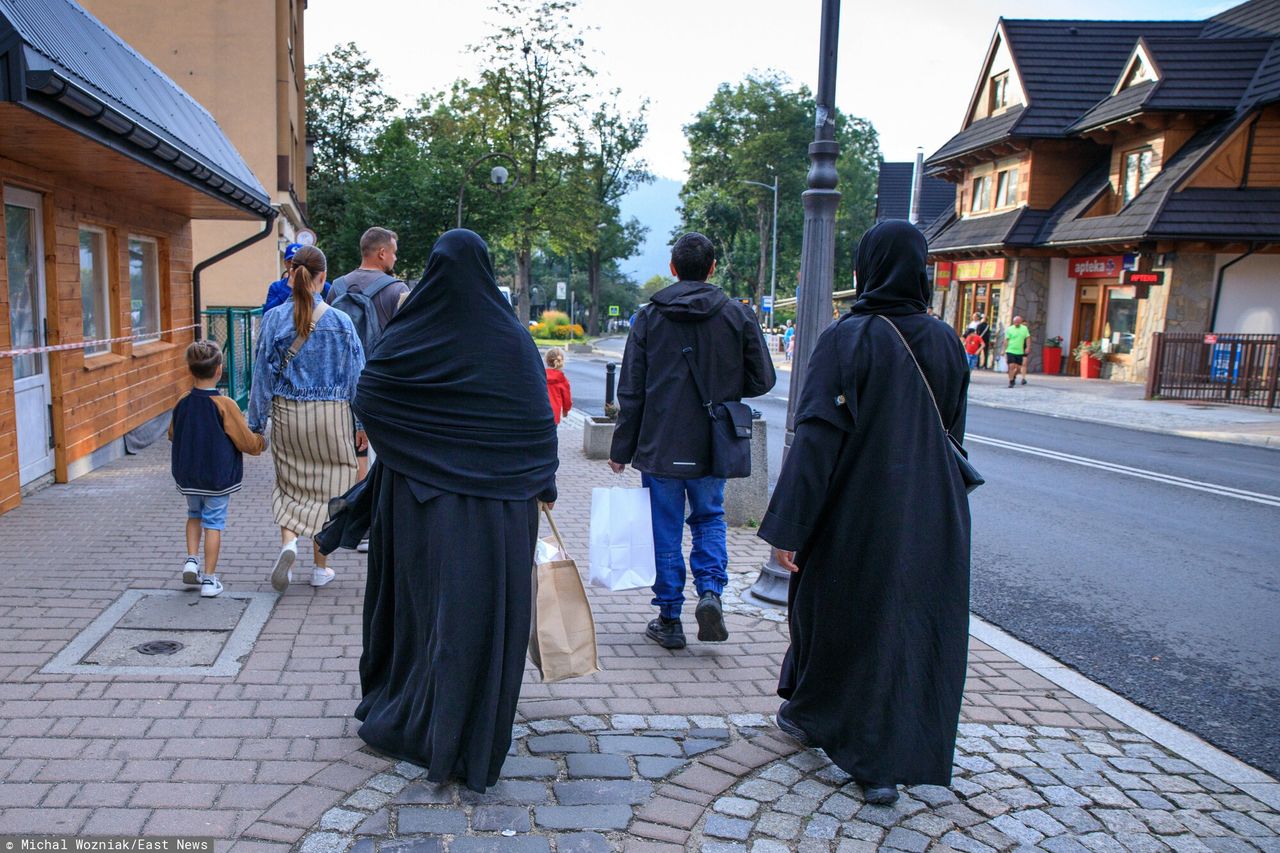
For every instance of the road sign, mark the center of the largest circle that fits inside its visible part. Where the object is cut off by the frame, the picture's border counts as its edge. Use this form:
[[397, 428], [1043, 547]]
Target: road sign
[[305, 236], [615, 311], [562, 290], [766, 303]]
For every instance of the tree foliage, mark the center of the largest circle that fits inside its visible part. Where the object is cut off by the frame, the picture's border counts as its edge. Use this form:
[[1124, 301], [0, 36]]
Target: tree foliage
[[756, 131]]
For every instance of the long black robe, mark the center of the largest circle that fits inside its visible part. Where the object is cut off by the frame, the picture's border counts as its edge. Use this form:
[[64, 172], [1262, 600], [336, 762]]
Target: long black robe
[[455, 402], [873, 503]]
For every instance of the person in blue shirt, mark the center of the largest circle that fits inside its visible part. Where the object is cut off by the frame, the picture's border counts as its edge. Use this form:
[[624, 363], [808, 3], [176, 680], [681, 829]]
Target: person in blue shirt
[[279, 291]]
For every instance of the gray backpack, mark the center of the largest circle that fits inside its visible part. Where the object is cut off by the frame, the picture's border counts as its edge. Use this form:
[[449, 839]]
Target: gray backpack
[[360, 307]]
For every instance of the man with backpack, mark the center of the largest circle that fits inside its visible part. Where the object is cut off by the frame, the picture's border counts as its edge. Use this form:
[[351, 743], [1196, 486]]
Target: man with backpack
[[370, 295]]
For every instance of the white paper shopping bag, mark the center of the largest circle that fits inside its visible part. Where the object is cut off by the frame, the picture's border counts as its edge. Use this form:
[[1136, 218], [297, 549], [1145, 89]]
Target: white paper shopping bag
[[621, 539]]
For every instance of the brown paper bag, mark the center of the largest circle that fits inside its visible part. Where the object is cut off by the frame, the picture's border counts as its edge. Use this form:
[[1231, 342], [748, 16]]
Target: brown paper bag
[[562, 641]]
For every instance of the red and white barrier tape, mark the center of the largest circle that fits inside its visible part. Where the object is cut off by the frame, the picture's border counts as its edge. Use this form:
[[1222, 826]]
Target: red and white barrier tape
[[14, 353]]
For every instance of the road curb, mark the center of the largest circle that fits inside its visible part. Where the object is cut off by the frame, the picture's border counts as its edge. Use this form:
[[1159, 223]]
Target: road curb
[[1269, 442], [1191, 747]]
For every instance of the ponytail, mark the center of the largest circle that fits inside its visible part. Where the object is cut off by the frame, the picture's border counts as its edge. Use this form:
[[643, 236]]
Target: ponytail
[[308, 263]]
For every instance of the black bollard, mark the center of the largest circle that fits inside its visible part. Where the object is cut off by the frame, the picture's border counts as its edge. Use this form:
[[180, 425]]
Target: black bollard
[[610, 384]]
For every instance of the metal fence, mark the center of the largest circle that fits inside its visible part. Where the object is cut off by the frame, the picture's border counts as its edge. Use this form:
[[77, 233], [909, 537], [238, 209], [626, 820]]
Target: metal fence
[[236, 329], [1215, 368]]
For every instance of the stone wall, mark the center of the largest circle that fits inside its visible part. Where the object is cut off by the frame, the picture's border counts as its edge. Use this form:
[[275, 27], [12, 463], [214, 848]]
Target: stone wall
[[1030, 300]]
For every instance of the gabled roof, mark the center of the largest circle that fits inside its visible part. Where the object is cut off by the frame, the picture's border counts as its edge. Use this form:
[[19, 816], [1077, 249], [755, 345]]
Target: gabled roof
[[1015, 227], [1221, 214], [1254, 19], [893, 193], [1265, 87], [978, 135], [75, 71]]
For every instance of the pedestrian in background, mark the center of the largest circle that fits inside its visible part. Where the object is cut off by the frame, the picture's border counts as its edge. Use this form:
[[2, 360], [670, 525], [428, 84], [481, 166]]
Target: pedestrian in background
[[209, 436], [871, 516], [280, 290], [558, 390], [369, 295], [304, 377], [788, 339], [973, 348], [664, 431], [455, 400], [1017, 347]]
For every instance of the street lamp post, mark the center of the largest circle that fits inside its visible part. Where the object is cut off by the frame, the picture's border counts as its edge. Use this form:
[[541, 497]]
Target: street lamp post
[[818, 258], [773, 266], [500, 178]]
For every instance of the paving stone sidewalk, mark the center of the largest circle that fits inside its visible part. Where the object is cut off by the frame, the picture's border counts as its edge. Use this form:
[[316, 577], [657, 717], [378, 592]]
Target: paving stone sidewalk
[[660, 751]]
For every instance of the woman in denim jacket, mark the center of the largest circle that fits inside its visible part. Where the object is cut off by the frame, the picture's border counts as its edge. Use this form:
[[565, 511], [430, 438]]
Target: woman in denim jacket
[[304, 377]]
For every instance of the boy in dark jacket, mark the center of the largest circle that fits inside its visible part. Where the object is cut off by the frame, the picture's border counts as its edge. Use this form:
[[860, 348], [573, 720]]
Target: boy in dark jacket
[[209, 434], [664, 428]]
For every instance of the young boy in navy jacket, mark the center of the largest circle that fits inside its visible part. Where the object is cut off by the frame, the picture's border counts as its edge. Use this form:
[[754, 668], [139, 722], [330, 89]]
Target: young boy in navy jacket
[[209, 434]]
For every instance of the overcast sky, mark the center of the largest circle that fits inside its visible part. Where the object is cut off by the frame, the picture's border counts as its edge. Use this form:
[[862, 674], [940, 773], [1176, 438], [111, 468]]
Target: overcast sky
[[907, 65]]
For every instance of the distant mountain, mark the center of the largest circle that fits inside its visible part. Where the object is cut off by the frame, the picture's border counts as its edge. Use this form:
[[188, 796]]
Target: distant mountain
[[655, 205]]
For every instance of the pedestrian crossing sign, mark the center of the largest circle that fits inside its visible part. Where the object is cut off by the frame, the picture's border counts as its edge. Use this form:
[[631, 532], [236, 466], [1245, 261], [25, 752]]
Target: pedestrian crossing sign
[[615, 311]]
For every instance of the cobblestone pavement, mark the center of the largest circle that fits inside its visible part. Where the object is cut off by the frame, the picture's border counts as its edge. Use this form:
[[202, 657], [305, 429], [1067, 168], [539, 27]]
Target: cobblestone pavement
[[660, 751]]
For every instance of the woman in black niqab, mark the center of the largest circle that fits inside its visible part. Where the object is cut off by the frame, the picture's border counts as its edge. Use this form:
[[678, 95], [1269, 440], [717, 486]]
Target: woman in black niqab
[[454, 401], [872, 517]]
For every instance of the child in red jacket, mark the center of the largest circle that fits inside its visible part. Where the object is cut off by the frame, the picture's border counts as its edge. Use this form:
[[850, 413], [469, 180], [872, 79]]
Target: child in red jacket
[[557, 384]]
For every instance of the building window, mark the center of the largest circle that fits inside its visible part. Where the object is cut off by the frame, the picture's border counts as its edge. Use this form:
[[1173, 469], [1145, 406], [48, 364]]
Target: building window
[[1007, 188], [999, 93], [1137, 173], [144, 288], [981, 194], [95, 290], [1119, 320]]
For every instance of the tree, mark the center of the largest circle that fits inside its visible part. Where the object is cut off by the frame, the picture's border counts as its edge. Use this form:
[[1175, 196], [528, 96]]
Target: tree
[[346, 109], [533, 85], [753, 131], [653, 285], [610, 170]]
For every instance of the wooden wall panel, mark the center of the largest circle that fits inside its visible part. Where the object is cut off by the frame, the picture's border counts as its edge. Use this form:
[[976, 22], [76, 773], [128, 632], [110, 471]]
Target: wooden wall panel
[[1264, 164], [97, 400]]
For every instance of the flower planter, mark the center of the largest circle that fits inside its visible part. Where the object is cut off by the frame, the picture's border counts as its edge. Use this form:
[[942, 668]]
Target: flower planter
[[1051, 358], [1090, 368]]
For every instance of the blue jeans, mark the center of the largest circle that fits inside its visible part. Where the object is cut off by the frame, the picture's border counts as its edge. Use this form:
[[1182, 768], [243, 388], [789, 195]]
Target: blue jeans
[[210, 509], [709, 558]]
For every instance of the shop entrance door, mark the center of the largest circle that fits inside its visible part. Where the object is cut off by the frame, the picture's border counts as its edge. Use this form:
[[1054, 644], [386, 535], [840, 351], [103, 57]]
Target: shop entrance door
[[24, 256], [1085, 325]]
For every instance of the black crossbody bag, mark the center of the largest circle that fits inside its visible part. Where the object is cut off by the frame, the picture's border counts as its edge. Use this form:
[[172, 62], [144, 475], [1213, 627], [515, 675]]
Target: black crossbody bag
[[972, 479], [730, 429]]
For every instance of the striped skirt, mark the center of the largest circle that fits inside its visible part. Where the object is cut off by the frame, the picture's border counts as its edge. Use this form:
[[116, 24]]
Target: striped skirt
[[315, 458]]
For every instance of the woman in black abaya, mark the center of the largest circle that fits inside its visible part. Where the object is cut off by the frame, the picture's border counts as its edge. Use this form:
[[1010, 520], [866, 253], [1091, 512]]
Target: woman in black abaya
[[871, 516], [454, 398]]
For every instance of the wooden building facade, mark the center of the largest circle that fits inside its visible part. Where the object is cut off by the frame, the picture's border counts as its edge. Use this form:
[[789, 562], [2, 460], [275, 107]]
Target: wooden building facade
[[104, 163], [1116, 179]]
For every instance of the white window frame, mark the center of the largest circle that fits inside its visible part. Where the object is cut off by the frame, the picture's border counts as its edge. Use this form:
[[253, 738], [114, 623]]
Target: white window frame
[[1007, 188], [983, 198], [103, 288], [155, 244], [1140, 179]]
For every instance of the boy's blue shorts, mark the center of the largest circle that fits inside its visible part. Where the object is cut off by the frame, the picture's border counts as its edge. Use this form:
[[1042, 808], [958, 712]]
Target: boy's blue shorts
[[210, 509]]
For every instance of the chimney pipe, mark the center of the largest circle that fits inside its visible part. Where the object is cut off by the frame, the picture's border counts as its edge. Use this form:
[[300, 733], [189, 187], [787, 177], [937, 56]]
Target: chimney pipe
[[917, 187]]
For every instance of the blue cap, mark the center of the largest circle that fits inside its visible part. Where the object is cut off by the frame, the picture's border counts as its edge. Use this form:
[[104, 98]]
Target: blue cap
[[291, 250]]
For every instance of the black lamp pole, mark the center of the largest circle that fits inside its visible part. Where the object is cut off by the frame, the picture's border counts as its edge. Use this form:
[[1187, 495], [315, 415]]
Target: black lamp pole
[[818, 257]]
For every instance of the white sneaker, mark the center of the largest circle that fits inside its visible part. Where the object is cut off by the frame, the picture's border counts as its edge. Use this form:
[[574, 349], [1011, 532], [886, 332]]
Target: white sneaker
[[281, 576], [191, 572], [210, 586], [320, 577], [363, 547]]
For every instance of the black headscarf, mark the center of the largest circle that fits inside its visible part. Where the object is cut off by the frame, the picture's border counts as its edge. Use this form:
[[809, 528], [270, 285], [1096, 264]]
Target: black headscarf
[[454, 395], [891, 270]]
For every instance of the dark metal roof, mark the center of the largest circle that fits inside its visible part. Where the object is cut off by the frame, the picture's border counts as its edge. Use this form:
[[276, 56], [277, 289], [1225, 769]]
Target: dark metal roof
[[1220, 214], [1256, 18], [1204, 74], [893, 193], [1128, 102], [1015, 227], [81, 74], [978, 135], [1067, 67], [1265, 87]]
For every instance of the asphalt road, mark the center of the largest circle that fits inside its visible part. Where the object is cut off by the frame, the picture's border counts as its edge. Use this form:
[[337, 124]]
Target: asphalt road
[[1149, 563]]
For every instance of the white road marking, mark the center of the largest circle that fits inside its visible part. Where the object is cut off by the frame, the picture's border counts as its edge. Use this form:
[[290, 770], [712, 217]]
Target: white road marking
[[1115, 468]]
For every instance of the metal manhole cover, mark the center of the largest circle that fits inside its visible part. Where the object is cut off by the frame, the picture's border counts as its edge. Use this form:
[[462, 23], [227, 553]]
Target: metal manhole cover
[[159, 647]]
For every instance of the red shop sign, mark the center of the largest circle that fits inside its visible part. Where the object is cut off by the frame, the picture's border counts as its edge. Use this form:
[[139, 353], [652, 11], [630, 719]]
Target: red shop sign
[[1104, 266], [942, 274]]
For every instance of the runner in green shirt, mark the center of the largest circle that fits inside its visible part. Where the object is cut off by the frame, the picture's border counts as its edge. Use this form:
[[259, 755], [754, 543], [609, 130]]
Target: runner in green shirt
[[1017, 345]]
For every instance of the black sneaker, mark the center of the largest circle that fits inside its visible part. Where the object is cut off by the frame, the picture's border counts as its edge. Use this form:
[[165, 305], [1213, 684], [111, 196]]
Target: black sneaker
[[668, 633], [710, 616], [879, 793]]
